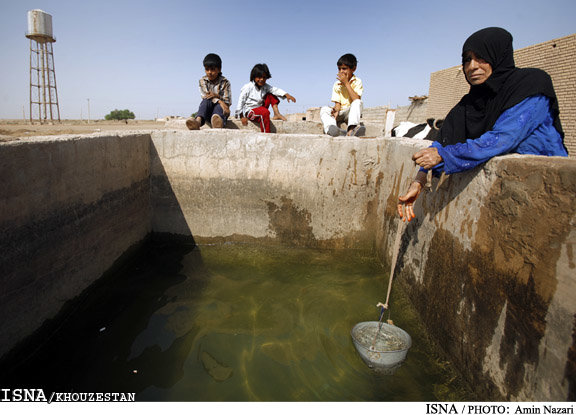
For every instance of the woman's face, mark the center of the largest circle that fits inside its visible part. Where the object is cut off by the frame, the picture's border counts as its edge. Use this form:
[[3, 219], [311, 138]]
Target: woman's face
[[476, 69]]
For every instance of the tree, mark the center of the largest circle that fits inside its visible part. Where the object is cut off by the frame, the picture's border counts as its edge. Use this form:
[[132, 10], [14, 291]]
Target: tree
[[120, 115]]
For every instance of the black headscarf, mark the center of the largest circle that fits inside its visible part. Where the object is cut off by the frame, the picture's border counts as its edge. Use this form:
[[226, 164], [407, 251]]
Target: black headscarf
[[507, 86]]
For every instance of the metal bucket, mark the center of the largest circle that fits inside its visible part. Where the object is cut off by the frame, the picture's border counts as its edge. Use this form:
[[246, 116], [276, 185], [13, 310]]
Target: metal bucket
[[390, 347]]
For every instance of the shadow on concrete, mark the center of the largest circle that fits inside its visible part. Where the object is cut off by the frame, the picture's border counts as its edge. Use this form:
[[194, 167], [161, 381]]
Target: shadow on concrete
[[167, 215], [431, 203], [89, 346]]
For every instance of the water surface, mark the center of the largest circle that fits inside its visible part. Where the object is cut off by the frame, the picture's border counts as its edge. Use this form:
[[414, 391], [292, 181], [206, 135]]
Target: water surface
[[232, 322]]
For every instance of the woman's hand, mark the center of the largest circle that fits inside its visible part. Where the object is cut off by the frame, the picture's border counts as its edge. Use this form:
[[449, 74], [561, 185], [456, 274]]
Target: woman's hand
[[427, 158], [244, 121], [290, 98], [408, 201]]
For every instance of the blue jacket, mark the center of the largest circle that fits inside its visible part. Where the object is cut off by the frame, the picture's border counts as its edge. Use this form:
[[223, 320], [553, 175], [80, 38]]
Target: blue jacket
[[526, 128]]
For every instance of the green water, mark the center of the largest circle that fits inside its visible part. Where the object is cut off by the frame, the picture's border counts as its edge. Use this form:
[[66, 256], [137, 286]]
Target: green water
[[233, 322]]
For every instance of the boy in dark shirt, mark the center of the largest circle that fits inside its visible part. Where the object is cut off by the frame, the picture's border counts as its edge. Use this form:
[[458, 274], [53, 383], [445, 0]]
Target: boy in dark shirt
[[216, 96]]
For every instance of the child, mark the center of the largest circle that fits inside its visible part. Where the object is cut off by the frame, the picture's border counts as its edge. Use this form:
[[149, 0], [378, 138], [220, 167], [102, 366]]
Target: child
[[346, 94], [216, 96], [257, 96]]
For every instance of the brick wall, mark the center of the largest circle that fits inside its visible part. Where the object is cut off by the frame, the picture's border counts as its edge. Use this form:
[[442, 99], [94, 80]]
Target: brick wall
[[555, 57], [375, 114], [313, 114], [415, 112]]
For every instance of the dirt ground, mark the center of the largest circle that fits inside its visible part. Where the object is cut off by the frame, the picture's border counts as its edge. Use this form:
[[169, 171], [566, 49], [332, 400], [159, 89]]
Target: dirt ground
[[11, 130]]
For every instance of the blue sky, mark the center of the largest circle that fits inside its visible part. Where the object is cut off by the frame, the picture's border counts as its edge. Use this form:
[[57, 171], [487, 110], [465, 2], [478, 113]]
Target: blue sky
[[147, 56]]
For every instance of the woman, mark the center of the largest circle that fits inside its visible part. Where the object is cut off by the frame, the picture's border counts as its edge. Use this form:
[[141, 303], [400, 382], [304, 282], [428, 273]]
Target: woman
[[508, 110]]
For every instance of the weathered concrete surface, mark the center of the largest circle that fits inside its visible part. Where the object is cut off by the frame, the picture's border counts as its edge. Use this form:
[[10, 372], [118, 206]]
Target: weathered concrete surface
[[489, 260], [70, 206], [276, 126], [489, 264], [373, 129], [311, 190]]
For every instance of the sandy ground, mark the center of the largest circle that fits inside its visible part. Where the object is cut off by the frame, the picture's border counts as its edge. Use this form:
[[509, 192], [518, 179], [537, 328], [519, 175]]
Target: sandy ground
[[18, 129]]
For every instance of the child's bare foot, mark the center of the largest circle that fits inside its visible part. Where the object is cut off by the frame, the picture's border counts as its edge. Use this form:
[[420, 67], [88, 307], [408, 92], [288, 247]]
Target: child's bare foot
[[279, 117]]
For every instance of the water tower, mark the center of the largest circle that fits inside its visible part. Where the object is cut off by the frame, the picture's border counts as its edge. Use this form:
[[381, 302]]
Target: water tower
[[43, 93]]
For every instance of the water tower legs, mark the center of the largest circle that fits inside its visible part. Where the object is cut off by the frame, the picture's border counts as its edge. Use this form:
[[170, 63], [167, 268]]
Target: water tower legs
[[43, 92]]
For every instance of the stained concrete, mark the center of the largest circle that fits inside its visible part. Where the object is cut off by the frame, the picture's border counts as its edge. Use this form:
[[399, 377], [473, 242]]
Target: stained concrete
[[373, 128], [266, 179], [487, 263], [70, 206], [489, 260]]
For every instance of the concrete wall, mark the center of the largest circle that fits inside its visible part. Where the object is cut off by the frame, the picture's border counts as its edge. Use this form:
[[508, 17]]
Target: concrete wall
[[489, 264], [489, 260], [276, 126], [309, 190], [70, 206]]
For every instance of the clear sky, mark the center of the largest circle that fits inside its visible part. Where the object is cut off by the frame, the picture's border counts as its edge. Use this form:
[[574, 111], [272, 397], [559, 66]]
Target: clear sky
[[147, 56]]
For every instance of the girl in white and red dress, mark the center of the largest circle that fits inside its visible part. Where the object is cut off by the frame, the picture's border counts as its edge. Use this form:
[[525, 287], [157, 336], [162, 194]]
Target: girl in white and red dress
[[256, 96]]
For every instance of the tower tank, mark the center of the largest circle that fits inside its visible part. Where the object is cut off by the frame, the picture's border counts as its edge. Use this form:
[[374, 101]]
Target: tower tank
[[40, 26]]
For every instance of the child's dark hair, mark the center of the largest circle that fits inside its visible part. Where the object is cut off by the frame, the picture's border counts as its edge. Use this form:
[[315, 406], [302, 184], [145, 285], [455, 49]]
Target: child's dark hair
[[212, 61], [349, 60], [260, 70]]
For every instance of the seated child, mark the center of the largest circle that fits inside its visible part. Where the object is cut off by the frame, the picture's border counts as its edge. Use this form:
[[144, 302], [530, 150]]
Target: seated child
[[346, 94], [257, 96], [216, 96]]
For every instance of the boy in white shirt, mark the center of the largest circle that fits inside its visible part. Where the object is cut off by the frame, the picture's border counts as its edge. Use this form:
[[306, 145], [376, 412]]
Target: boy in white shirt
[[346, 95], [256, 96]]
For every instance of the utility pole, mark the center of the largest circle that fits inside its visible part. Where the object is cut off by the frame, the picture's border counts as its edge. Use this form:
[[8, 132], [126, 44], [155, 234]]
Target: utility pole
[[88, 99]]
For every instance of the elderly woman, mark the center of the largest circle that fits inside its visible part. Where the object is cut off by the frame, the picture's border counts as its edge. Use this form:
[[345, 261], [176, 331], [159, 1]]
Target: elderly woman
[[508, 110]]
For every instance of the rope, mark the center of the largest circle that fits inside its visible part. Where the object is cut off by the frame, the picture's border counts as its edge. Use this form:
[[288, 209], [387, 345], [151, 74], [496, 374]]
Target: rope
[[372, 347], [394, 259], [396, 251]]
